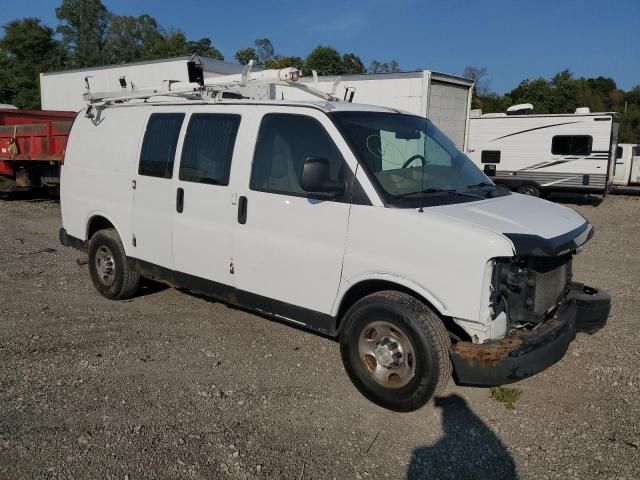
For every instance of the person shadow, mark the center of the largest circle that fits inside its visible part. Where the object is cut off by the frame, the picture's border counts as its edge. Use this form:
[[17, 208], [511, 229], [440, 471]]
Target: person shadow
[[468, 448]]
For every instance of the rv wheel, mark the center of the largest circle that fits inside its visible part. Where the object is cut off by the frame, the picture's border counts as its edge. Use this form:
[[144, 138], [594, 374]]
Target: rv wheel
[[529, 190], [395, 349]]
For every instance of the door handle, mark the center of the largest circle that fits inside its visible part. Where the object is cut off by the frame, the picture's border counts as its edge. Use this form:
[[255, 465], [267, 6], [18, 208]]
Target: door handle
[[242, 210], [179, 200]]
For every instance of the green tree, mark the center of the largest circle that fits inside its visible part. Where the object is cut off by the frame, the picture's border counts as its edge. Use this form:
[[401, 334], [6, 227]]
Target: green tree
[[26, 49], [265, 50], [245, 55], [133, 38], [84, 26], [352, 64], [203, 47], [386, 67], [325, 60], [285, 62]]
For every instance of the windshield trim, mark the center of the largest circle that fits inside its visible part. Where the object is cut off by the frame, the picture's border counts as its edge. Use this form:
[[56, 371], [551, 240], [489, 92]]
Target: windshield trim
[[412, 201]]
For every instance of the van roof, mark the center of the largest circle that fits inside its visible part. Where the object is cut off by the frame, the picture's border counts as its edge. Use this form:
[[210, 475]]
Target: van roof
[[323, 105]]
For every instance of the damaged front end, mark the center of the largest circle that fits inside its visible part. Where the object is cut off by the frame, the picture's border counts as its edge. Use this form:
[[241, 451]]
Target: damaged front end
[[544, 309]]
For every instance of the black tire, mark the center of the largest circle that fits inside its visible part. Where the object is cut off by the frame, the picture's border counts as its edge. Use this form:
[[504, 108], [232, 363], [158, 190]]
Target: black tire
[[111, 272], [528, 189], [429, 342]]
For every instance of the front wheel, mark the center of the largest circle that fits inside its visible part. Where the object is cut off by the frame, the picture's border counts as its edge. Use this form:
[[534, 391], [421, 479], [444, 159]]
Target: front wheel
[[111, 272], [395, 349]]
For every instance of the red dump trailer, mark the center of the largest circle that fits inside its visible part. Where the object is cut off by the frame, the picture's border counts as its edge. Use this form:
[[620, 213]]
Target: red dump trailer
[[32, 147]]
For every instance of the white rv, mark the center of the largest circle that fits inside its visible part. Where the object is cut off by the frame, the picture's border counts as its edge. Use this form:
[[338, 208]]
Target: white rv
[[536, 154]]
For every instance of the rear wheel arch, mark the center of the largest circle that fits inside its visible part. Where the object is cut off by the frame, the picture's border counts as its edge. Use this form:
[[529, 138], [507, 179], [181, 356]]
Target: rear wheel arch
[[96, 223]]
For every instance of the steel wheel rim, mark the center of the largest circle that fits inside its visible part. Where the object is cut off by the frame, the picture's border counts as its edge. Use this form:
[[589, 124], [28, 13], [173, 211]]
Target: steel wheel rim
[[387, 354], [105, 265]]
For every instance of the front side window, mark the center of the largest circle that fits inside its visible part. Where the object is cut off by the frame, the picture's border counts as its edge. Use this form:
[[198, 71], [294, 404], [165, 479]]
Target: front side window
[[571, 145], [208, 148], [159, 144], [408, 157], [285, 141]]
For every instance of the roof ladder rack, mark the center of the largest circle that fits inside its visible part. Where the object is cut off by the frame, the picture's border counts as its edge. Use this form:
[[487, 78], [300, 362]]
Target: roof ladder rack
[[209, 90]]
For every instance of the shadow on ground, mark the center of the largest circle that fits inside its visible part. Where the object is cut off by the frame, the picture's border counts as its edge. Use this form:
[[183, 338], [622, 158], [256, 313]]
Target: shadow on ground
[[576, 198], [468, 448]]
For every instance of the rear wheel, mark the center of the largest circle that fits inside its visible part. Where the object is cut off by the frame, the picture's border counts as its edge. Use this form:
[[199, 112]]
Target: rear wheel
[[111, 272], [529, 190], [395, 349]]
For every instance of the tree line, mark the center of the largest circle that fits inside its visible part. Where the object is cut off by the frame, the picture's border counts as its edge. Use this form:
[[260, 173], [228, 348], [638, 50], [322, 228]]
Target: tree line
[[88, 35], [563, 93]]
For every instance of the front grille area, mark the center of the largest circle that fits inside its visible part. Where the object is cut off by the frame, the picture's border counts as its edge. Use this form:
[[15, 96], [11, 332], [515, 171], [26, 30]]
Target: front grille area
[[551, 276], [529, 288]]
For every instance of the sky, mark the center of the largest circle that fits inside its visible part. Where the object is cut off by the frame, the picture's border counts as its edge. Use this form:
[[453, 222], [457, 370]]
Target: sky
[[513, 40]]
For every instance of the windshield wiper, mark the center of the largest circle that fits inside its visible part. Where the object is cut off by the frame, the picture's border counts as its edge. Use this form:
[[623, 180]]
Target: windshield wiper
[[481, 184], [437, 190]]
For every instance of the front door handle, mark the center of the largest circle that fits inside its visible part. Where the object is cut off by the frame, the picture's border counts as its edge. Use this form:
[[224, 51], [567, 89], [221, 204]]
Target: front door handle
[[179, 200], [242, 210]]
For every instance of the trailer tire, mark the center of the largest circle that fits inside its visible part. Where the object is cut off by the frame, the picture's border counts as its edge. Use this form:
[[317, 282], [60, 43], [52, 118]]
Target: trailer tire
[[395, 350], [529, 189], [111, 271]]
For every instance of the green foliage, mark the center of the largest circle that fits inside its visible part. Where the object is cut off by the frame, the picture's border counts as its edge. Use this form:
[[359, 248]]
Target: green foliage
[[245, 55], [133, 38], [84, 26], [506, 396], [386, 67], [325, 60], [351, 63], [284, 62], [264, 49], [26, 49]]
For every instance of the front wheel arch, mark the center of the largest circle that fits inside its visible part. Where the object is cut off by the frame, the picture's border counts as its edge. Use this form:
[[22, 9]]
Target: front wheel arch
[[367, 287]]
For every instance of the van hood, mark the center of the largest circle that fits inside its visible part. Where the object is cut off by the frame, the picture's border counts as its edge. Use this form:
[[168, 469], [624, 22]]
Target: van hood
[[534, 226]]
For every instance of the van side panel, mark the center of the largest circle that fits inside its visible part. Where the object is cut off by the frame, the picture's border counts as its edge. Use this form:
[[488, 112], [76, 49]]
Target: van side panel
[[100, 163], [447, 268]]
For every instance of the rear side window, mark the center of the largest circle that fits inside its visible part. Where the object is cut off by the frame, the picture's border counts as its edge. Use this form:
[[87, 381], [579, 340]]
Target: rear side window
[[208, 148], [159, 145], [284, 143], [490, 156], [571, 145]]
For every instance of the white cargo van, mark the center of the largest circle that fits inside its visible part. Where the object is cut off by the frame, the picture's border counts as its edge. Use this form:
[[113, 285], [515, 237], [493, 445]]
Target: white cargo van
[[357, 222]]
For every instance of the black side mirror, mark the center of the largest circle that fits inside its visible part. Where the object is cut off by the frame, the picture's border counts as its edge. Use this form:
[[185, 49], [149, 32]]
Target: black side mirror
[[316, 178]]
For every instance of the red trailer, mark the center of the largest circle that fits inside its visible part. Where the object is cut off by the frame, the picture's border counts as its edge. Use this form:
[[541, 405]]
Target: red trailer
[[32, 147]]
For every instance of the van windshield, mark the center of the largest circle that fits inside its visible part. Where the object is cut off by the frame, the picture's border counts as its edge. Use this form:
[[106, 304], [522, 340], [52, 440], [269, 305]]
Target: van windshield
[[408, 157]]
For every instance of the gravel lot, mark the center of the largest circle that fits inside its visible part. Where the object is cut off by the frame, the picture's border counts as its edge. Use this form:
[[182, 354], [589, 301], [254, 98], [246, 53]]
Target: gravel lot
[[169, 385]]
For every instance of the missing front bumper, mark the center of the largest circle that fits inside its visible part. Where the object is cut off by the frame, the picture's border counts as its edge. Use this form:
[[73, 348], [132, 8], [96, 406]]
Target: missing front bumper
[[524, 354]]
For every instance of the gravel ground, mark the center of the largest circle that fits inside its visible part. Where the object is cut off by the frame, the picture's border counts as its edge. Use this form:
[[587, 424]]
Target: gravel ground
[[170, 385]]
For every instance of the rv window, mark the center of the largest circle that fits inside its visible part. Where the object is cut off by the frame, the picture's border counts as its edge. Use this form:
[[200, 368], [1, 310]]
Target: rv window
[[571, 145], [636, 151], [490, 156], [284, 143], [159, 144], [208, 147], [618, 152]]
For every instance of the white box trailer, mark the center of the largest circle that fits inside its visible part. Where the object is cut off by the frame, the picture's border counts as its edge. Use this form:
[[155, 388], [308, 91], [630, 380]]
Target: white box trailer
[[444, 99], [536, 154], [63, 90]]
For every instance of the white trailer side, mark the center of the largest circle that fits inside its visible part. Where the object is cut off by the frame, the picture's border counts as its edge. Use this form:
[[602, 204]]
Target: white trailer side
[[562, 152], [444, 99], [64, 90]]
